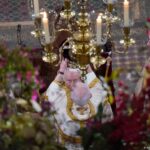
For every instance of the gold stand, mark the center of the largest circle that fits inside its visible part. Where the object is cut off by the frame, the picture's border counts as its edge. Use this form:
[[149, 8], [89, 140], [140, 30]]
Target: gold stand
[[97, 60], [81, 41], [127, 41], [38, 32], [67, 13], [48, 55], [110, 8]]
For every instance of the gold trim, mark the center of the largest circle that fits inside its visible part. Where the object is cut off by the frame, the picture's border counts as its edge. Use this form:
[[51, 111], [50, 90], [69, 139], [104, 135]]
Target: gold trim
[[94, 82], [44, 97], [70, 104], [59, 83], [67, 138]]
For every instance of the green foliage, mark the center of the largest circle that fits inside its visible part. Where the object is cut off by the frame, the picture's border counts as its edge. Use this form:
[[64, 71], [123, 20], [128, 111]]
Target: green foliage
[[17, 75], [28, 131], [21, 128]]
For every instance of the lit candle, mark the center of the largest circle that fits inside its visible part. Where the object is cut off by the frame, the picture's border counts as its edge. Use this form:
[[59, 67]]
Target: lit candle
[[36, 7], [99, 29], [46, 28], [126, 13], [110, 1]]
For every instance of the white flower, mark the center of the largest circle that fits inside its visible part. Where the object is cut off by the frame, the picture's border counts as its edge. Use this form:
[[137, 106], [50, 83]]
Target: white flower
[[36, 106]]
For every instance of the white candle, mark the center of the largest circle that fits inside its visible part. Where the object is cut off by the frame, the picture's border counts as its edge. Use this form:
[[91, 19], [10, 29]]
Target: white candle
[[46, 28], [99, 29], [126, 13], [110, 1], [36, 7]]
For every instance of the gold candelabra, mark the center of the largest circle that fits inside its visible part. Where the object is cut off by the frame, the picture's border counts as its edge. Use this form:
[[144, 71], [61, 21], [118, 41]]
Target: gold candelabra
[[47, 55], [84, 49]]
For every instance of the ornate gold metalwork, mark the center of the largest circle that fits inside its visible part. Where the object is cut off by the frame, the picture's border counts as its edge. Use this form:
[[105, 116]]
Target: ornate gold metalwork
[[67, 4], [81, 40], [127, 41], [83, 50], [67, 13], [49, 56], [94, 82], [110, 8], [96, 59], [37, 22], [70, 105], [67, 138]]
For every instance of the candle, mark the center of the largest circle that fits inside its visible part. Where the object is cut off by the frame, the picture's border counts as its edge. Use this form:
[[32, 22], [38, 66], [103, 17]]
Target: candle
[[110, 1], [46, 28], [36, 7], [126, 13], [99, 29]]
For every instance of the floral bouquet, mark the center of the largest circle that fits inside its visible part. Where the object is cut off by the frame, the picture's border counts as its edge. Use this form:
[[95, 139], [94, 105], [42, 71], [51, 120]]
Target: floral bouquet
[[130, 128], [24, 123], [20, 81]]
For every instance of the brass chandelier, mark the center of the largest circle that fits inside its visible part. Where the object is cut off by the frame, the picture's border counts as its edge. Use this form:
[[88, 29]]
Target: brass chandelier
[[85, 47]]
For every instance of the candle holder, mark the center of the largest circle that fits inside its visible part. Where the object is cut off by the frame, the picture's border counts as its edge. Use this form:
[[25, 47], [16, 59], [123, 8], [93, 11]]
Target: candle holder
[[38, 31], [127, 41], [95, 57], [48, 55], [67, 13], [83, 71], [110, 7], [126, 11], [110, 14]]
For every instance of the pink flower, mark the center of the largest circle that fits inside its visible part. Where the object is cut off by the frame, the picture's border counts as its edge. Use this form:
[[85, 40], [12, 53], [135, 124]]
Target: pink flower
[[132, 131], [148, 43], [115, 135], [35, 95], [148, 32], [36, 72], [36, 80], [148, 20], [2, 63], [121, 83], [147, 68], [19, 76], [24, 53], [42, 85], [28, 76]]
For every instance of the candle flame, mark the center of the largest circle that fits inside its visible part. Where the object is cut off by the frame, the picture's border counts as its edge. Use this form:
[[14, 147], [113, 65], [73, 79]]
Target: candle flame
[[126, 1], [44, 15], [99, 16]]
